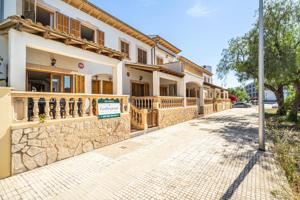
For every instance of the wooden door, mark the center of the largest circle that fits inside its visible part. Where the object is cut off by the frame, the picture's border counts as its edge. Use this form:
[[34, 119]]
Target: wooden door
[[163, 91], [139, 89], [79, 84], [96, 87], [107, 87]]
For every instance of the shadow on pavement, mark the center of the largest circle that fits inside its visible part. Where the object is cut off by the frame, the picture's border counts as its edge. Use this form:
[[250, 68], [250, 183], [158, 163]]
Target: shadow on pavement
[[237, 182]]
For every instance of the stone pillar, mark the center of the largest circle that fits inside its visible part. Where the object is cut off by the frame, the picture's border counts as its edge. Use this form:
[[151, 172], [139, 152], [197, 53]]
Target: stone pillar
[[88, 84], [156, 83], [16, 60], [118, 79], [5, 133]]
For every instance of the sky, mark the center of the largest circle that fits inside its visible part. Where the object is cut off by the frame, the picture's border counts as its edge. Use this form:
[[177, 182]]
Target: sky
[[200, 28]]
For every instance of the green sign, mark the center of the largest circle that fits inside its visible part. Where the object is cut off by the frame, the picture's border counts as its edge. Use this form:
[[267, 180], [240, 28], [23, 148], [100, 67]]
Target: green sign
[[109, 108]]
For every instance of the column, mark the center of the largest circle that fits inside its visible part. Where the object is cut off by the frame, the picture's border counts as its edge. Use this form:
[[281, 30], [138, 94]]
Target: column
[[118, 79], [17, 67], [201, 96], [156, 83]]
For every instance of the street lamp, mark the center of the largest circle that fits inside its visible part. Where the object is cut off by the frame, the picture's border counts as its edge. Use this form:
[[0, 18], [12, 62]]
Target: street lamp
[[261, 131]]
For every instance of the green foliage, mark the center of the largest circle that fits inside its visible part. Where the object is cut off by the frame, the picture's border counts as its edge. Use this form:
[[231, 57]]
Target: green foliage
[[240, 93], [42, 118], [282, 49], [290, 98], [286, 145]]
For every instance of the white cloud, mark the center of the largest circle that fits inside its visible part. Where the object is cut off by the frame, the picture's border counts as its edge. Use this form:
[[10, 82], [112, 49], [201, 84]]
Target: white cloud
[[198, 10]]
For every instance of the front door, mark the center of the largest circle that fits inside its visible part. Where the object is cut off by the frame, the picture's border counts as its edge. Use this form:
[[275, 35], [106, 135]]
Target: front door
[[139, 89]]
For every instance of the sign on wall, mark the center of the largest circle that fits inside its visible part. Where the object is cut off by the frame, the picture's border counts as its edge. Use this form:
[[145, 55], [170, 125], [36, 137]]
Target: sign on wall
[[109, 108]]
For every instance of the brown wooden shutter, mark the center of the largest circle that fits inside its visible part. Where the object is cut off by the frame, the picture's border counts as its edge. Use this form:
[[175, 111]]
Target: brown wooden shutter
[[79, 84], [147, 93], [62, 23], [66, 24], [101, 38], [107, 87], [125, 48], [29, 9], [75, 27]]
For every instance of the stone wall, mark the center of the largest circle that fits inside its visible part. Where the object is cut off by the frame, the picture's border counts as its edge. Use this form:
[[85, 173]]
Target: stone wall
[[171, 116], [42, 144]]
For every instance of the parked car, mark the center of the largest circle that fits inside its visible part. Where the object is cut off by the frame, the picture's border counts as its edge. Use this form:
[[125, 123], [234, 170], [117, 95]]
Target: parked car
[[241, 105]]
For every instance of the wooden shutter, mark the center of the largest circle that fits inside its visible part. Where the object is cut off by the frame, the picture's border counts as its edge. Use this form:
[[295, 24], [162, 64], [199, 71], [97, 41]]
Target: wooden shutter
[[79, 84], [107, 87], [101, 38], [142, 56], [146, 91], [75, 27], [125, 48], [29, 9], [62, 23], [159, 61]]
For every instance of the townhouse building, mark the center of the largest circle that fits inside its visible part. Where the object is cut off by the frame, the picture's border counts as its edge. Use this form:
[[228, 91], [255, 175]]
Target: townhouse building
[[66, 62]]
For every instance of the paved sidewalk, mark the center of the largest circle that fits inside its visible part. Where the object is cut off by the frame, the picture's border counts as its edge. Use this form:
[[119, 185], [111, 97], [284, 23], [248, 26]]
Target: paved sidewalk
[[211, 158]]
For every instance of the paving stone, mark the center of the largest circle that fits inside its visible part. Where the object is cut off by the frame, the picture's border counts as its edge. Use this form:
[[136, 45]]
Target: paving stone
[[214, 157]]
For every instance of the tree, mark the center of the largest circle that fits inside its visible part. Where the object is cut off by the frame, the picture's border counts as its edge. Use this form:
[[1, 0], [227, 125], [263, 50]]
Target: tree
[[240, 94], [282, 42]]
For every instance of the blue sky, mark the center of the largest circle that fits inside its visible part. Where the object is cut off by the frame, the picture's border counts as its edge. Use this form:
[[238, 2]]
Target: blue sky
[[200, 28]]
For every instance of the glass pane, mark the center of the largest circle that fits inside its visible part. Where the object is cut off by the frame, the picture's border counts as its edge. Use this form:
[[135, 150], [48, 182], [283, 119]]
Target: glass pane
[[56, 83], [67, 84]]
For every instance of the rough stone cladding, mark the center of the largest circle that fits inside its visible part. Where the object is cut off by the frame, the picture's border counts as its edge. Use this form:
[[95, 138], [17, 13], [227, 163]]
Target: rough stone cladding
[[39, 145], [171, 116]]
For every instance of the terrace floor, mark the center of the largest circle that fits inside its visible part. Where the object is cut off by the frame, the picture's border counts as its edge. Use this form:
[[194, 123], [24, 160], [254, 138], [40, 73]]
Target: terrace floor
[[208, 158]]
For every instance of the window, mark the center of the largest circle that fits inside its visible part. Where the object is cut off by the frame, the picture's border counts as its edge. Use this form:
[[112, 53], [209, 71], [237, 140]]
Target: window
[[125, 48], [159, 61], [101, 38], [62, 23], [29, 9], [142, 56], [67, 84], [1, 10], [44, 16], [87, 33], [75, 27]]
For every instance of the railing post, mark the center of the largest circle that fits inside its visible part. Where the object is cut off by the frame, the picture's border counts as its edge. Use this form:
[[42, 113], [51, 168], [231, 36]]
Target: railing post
[[90, 106], [47, 108], [83, 107], [67, 108], [57, 109], [25, 103], [144, 120], [75, 114], [35, 108], [156, 103]]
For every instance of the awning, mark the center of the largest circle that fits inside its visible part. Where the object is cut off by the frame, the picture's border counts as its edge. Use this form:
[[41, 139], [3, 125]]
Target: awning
[[48, 69], [152, 68]]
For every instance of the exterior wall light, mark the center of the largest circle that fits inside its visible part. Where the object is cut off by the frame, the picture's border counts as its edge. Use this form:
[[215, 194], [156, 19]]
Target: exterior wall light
[[53, 62]]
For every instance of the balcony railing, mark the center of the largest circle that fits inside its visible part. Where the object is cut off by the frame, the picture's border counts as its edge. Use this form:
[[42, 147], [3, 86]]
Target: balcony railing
[[191, 101], [170, 102], [161, 102], [36, 106]]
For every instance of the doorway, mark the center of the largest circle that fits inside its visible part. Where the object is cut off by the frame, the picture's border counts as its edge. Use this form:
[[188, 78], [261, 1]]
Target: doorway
[[139, 89]]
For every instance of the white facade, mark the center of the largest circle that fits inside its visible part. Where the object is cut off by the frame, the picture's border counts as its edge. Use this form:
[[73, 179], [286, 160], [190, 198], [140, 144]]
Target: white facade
[[35, 50]]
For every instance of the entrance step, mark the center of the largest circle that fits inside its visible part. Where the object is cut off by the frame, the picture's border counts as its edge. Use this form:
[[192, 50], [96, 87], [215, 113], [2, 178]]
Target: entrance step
[[136, 133]]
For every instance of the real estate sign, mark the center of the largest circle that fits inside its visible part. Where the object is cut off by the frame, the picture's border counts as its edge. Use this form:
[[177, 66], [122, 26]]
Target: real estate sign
[[109, 108]]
